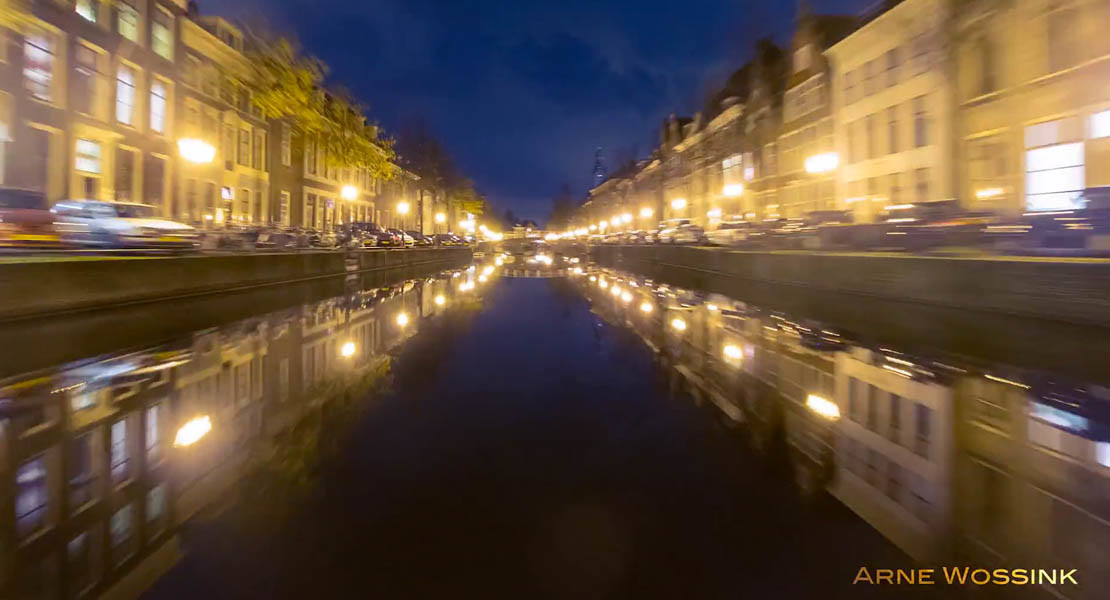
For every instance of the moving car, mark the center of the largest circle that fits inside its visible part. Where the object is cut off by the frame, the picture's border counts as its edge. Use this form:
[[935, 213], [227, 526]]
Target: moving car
[[25, 221], [732, 232], [121, 225]]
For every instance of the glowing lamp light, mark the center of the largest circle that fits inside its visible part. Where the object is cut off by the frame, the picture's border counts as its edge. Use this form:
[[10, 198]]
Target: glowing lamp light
[[349, 192], [347, 350], [678, 203], [823, 407], [196, 151], [626, 297], [440, 300], [441, 218], [627, 218], [733, 352], [822, 163], [593, 278], [714, 213], [616, 291], [593, 227], [646, 307], [483, 278], [402, 208], [646, 212], [678, 324], [986, 193], [499, 261], [402, 319], [603, 224], [191, 432], [733, 190]]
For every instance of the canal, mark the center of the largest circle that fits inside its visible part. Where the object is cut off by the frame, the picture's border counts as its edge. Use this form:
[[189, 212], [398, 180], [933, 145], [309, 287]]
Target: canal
[[594, 434]]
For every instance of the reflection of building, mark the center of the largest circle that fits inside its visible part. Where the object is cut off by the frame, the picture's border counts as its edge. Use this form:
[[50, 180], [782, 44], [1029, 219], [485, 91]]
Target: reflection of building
[[1033, 478], [894, 117], [92, 486], [894, 450]]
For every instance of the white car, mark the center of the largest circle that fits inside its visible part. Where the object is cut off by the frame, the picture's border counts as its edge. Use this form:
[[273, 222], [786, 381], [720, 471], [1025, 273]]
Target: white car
[[669, 229], [121, 225], [730, 233]]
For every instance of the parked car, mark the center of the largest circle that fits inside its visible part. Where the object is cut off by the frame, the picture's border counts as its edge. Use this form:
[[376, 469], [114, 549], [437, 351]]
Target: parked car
[[732, 232], [688, 234], [668, 229], [25, 221], [373, 235], [419, 239], [121, 225], [407, 240]]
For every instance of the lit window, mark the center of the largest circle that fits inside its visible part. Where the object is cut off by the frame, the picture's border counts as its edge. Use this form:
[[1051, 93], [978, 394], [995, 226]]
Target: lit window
[[31, 496], [125, 94], [1100, 124], [88, 156], [1054, 177], [153, 439], [38, 66], [161, 34], [158, 106], [286, 145], [156, 503], [88, 9], [85, 79], [121, 533], [120, 457], [127, 20]]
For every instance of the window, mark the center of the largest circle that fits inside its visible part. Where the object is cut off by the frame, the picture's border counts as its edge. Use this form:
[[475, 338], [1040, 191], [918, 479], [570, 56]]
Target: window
[[893, 60], [1063, 39], [849, 87], [87, 157], [31, 496], [987, 67], [122, 534], [310, 156], [245, 205], [161, 34], [892, 129], [259, 157], [85, 78], [120, 457], [893, 488], [1100, 124], [872, 147], [125, 175], [88, 9], [853, 398], [895, 430], [38, 65], [920, 53], [283, 365], [923, 428], [79, 563], [872, 408], [127, 19], [244, 147], [802, 59], [920, 123], [1054, 177], [82, 478], [153, 435], [158, 106], [154, 181], [258, 219], [125, 94], [155, 508], [286, 145], [922, 184]]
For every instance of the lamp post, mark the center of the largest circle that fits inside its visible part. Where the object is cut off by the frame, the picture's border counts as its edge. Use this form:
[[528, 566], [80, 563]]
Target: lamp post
[[402, 209]]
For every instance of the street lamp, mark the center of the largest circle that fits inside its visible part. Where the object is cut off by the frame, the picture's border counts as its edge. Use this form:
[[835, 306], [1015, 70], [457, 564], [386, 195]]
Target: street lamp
[[678, 203], [196, 151], [733, 190], [646, 212], [402, 209], [822, 163], [349, 192]]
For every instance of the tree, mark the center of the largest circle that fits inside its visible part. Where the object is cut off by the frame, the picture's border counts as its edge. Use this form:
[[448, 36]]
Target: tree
[[561, 208], [288, 84]]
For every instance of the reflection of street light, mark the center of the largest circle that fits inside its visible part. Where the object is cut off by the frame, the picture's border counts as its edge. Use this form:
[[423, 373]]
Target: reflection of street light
[[196, 151], [349, 192], [347, 350], [192, 431], [822, 163], [678, 203]]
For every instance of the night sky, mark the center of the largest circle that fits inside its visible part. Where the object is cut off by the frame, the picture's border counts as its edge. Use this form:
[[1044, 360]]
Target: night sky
[[523, 92]]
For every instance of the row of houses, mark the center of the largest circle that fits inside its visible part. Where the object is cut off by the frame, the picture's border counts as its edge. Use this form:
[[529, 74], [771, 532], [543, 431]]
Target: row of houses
[[96, 97], [1003, 106]]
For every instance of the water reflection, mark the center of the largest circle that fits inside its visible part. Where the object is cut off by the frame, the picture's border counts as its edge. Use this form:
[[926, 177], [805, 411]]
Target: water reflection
[[982, 464], [105, 457]]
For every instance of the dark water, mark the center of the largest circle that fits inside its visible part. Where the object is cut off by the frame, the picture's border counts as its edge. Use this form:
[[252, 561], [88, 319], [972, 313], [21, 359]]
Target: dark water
[[471, 435]]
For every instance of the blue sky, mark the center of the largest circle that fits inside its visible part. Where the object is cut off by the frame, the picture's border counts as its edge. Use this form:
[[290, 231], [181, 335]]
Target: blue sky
[[520, 92]]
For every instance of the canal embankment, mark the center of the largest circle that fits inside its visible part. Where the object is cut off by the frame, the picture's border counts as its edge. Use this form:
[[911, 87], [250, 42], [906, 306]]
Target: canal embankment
[[41, 288]]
